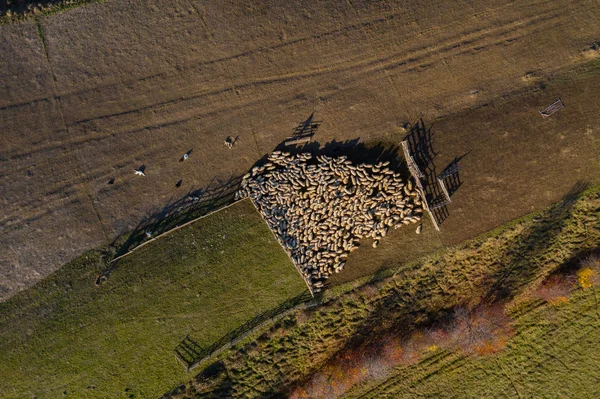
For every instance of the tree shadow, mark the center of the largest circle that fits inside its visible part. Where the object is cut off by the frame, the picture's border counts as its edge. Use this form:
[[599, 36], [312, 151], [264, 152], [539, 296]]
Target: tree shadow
[[216, 372], [379, 275], [519, 268], [25, 7], [212, 382]]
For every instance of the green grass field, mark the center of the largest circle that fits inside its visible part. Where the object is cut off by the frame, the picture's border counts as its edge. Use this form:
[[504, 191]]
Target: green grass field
[[65, 337], [502, 265], [554, 354]]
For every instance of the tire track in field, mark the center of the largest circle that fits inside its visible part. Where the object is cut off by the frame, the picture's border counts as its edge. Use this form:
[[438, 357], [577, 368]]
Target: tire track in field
[[474, 41], [24, 210], [124, 160], [367, 66], [61, 114], [68, 191], [399, 62], [469, 44], [198, 64]]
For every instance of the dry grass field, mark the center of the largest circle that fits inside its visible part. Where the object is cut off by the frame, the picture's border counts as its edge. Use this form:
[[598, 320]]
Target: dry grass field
[[92, 93], [518, 162]]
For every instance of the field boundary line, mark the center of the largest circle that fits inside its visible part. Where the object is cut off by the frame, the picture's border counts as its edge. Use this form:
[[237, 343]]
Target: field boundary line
[[56, 97], [312, 303], [287, 253], [177, 228]]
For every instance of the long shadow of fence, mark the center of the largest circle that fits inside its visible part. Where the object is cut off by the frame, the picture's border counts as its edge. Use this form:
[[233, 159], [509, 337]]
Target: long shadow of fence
[[420, 145], [306, 129], [194, 204], [191, 354]]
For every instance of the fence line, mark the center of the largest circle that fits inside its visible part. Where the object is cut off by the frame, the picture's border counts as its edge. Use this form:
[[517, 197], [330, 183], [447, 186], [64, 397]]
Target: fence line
[[415, 174], [176, 228], [287, 253], [447, 201], [230, 343]]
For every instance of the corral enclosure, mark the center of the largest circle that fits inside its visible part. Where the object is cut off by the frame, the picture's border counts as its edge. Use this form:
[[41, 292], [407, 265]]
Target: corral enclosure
[[92, 93], [320, 210], [66, 336]]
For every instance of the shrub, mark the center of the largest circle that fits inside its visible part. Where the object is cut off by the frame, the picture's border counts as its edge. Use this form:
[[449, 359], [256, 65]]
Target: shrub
[[586, 277]]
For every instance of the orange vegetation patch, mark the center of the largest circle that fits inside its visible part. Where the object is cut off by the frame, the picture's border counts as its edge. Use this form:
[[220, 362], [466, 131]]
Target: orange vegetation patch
[[480, 331], [586, 277], [483, 330], [556, 289], [350, 367]]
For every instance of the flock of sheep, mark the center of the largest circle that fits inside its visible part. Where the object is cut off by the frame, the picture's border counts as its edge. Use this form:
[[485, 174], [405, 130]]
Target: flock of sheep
[[320, 207]]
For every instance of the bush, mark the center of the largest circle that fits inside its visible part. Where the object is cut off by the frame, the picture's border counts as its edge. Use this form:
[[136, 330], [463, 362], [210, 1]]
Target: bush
[[589, 275]]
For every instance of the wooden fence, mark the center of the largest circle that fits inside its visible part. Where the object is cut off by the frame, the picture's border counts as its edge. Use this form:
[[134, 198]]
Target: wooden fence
[[417, 175], [175, 229], [552, 108], [191, 355]]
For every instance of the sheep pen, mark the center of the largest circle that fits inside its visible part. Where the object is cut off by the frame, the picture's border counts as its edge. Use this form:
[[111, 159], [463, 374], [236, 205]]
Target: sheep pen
[[320, 207]]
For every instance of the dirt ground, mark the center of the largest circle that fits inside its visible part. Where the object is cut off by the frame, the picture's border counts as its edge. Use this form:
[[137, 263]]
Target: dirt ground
[[94, 92], [513, 161]]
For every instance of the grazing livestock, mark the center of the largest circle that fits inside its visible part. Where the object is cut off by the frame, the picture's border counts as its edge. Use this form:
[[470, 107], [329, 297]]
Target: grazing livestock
[[319, 208]]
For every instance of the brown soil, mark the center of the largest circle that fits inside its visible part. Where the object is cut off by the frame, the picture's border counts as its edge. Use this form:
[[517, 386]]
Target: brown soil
[[122, 84]]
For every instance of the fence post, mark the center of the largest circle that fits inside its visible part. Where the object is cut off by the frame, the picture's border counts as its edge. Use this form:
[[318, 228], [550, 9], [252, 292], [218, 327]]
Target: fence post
[[415, 174]]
